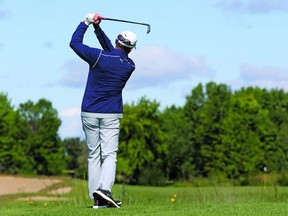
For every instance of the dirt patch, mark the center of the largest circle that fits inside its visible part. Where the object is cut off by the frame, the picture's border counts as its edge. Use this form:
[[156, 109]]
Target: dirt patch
[[12, 185], [42, 198], [60, 191]]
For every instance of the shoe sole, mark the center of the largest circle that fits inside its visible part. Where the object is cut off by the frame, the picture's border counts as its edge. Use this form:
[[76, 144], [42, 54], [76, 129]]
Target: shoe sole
[[99, 207], [119, 203], [108, 200]]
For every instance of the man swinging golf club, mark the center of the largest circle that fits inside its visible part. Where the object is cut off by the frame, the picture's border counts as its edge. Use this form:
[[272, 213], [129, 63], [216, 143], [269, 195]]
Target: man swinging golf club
[[101, 110]]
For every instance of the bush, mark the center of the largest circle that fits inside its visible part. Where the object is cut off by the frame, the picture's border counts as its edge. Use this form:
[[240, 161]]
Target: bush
[[153, 176]]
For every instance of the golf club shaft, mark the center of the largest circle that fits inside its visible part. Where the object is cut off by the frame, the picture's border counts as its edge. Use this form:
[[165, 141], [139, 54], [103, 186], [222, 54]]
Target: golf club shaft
[[126, 21]]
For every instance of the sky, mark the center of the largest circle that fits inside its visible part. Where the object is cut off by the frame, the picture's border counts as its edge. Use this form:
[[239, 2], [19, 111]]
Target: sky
[[239, 43]]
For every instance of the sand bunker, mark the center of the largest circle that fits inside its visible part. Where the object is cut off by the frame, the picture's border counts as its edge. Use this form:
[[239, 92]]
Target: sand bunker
[[60, 191], [13, 185]]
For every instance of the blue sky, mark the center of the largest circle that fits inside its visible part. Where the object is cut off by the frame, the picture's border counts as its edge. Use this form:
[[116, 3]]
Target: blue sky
[[236, 42]]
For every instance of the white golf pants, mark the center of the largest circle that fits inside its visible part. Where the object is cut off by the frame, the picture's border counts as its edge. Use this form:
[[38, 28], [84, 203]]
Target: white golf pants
[[102, 137]]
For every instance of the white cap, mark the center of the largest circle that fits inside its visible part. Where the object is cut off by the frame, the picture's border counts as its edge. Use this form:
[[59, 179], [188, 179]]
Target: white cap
[[127, 39]]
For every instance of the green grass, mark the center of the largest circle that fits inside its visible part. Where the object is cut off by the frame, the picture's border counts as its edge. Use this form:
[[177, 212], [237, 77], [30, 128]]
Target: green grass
[[140, 200]]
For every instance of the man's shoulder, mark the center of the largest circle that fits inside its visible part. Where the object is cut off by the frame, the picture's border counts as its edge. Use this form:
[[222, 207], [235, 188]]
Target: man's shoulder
[[112, 53]]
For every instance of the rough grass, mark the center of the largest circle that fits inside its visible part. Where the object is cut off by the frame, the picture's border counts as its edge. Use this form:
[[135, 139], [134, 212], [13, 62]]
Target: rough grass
[[139, 200]]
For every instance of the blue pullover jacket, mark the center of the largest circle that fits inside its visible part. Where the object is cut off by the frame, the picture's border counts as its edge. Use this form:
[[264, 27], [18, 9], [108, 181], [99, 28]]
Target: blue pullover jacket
[[109, 70]]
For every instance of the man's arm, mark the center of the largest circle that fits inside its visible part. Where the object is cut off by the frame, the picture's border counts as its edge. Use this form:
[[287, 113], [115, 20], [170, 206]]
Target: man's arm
[[85, 52], [102, 38]]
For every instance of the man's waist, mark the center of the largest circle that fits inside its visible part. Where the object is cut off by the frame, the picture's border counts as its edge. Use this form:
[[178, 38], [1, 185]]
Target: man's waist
[[101, 115]]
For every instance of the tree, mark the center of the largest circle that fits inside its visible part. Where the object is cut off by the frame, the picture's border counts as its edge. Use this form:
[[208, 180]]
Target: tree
[[76, 155], [12, 150], [248, 130], [141, 145], [43, 143], [205, 110], [175, 126], [275, 147]]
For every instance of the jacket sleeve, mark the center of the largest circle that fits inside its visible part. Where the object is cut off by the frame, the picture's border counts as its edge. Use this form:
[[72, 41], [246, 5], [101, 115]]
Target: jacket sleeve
[[103, 39], [88, 54]]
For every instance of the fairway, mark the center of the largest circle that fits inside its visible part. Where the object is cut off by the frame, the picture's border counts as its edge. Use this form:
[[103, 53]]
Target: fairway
[[140, 200]]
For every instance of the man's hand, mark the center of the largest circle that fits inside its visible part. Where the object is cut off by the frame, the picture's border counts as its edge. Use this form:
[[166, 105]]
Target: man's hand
[[97, 19], [92, 18], [89, 19]]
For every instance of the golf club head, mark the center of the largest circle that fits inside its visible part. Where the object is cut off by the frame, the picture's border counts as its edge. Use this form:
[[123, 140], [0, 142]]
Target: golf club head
[[148, 28]]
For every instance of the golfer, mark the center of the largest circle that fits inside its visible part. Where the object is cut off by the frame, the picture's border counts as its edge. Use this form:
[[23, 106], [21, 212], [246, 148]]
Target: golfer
[[109, 70]]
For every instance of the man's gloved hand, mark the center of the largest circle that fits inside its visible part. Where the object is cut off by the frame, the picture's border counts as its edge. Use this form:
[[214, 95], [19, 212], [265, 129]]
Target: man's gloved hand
[[89, 19], [92, 18]]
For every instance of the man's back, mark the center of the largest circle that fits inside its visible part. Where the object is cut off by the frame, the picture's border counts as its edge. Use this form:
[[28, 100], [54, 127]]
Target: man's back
[[106, 80]]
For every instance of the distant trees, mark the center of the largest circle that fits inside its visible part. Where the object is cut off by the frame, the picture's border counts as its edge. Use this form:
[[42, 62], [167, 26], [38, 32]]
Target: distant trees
[[29, 141], [76, 157], [217, 132], [141, 145], [12, 147], [43, 145], [234, 135]]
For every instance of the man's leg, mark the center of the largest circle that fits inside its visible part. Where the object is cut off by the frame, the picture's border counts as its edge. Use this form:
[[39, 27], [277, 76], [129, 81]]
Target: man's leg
[[109, 136], [91, 130]]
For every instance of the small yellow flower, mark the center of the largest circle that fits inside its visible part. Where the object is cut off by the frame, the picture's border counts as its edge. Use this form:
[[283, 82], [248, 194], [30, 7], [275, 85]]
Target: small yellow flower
[[174, 195], [172, 199]]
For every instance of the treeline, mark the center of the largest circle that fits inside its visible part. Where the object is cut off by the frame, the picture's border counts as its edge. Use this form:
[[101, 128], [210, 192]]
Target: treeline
[[217, 132]]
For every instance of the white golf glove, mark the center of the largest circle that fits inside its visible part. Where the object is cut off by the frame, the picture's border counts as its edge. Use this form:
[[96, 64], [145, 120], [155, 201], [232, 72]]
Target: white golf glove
[[89, 19]]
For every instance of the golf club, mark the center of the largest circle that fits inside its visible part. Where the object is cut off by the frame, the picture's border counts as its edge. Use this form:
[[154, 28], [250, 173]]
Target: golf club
[[120, 20]]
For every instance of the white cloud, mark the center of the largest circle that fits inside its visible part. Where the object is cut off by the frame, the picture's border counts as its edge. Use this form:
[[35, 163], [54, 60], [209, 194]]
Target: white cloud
[[71, 112], [71, 123], [76, 74], [263, 77], [161, 66], [253, 73], [154, 66], [255, 6], [4, 14]]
